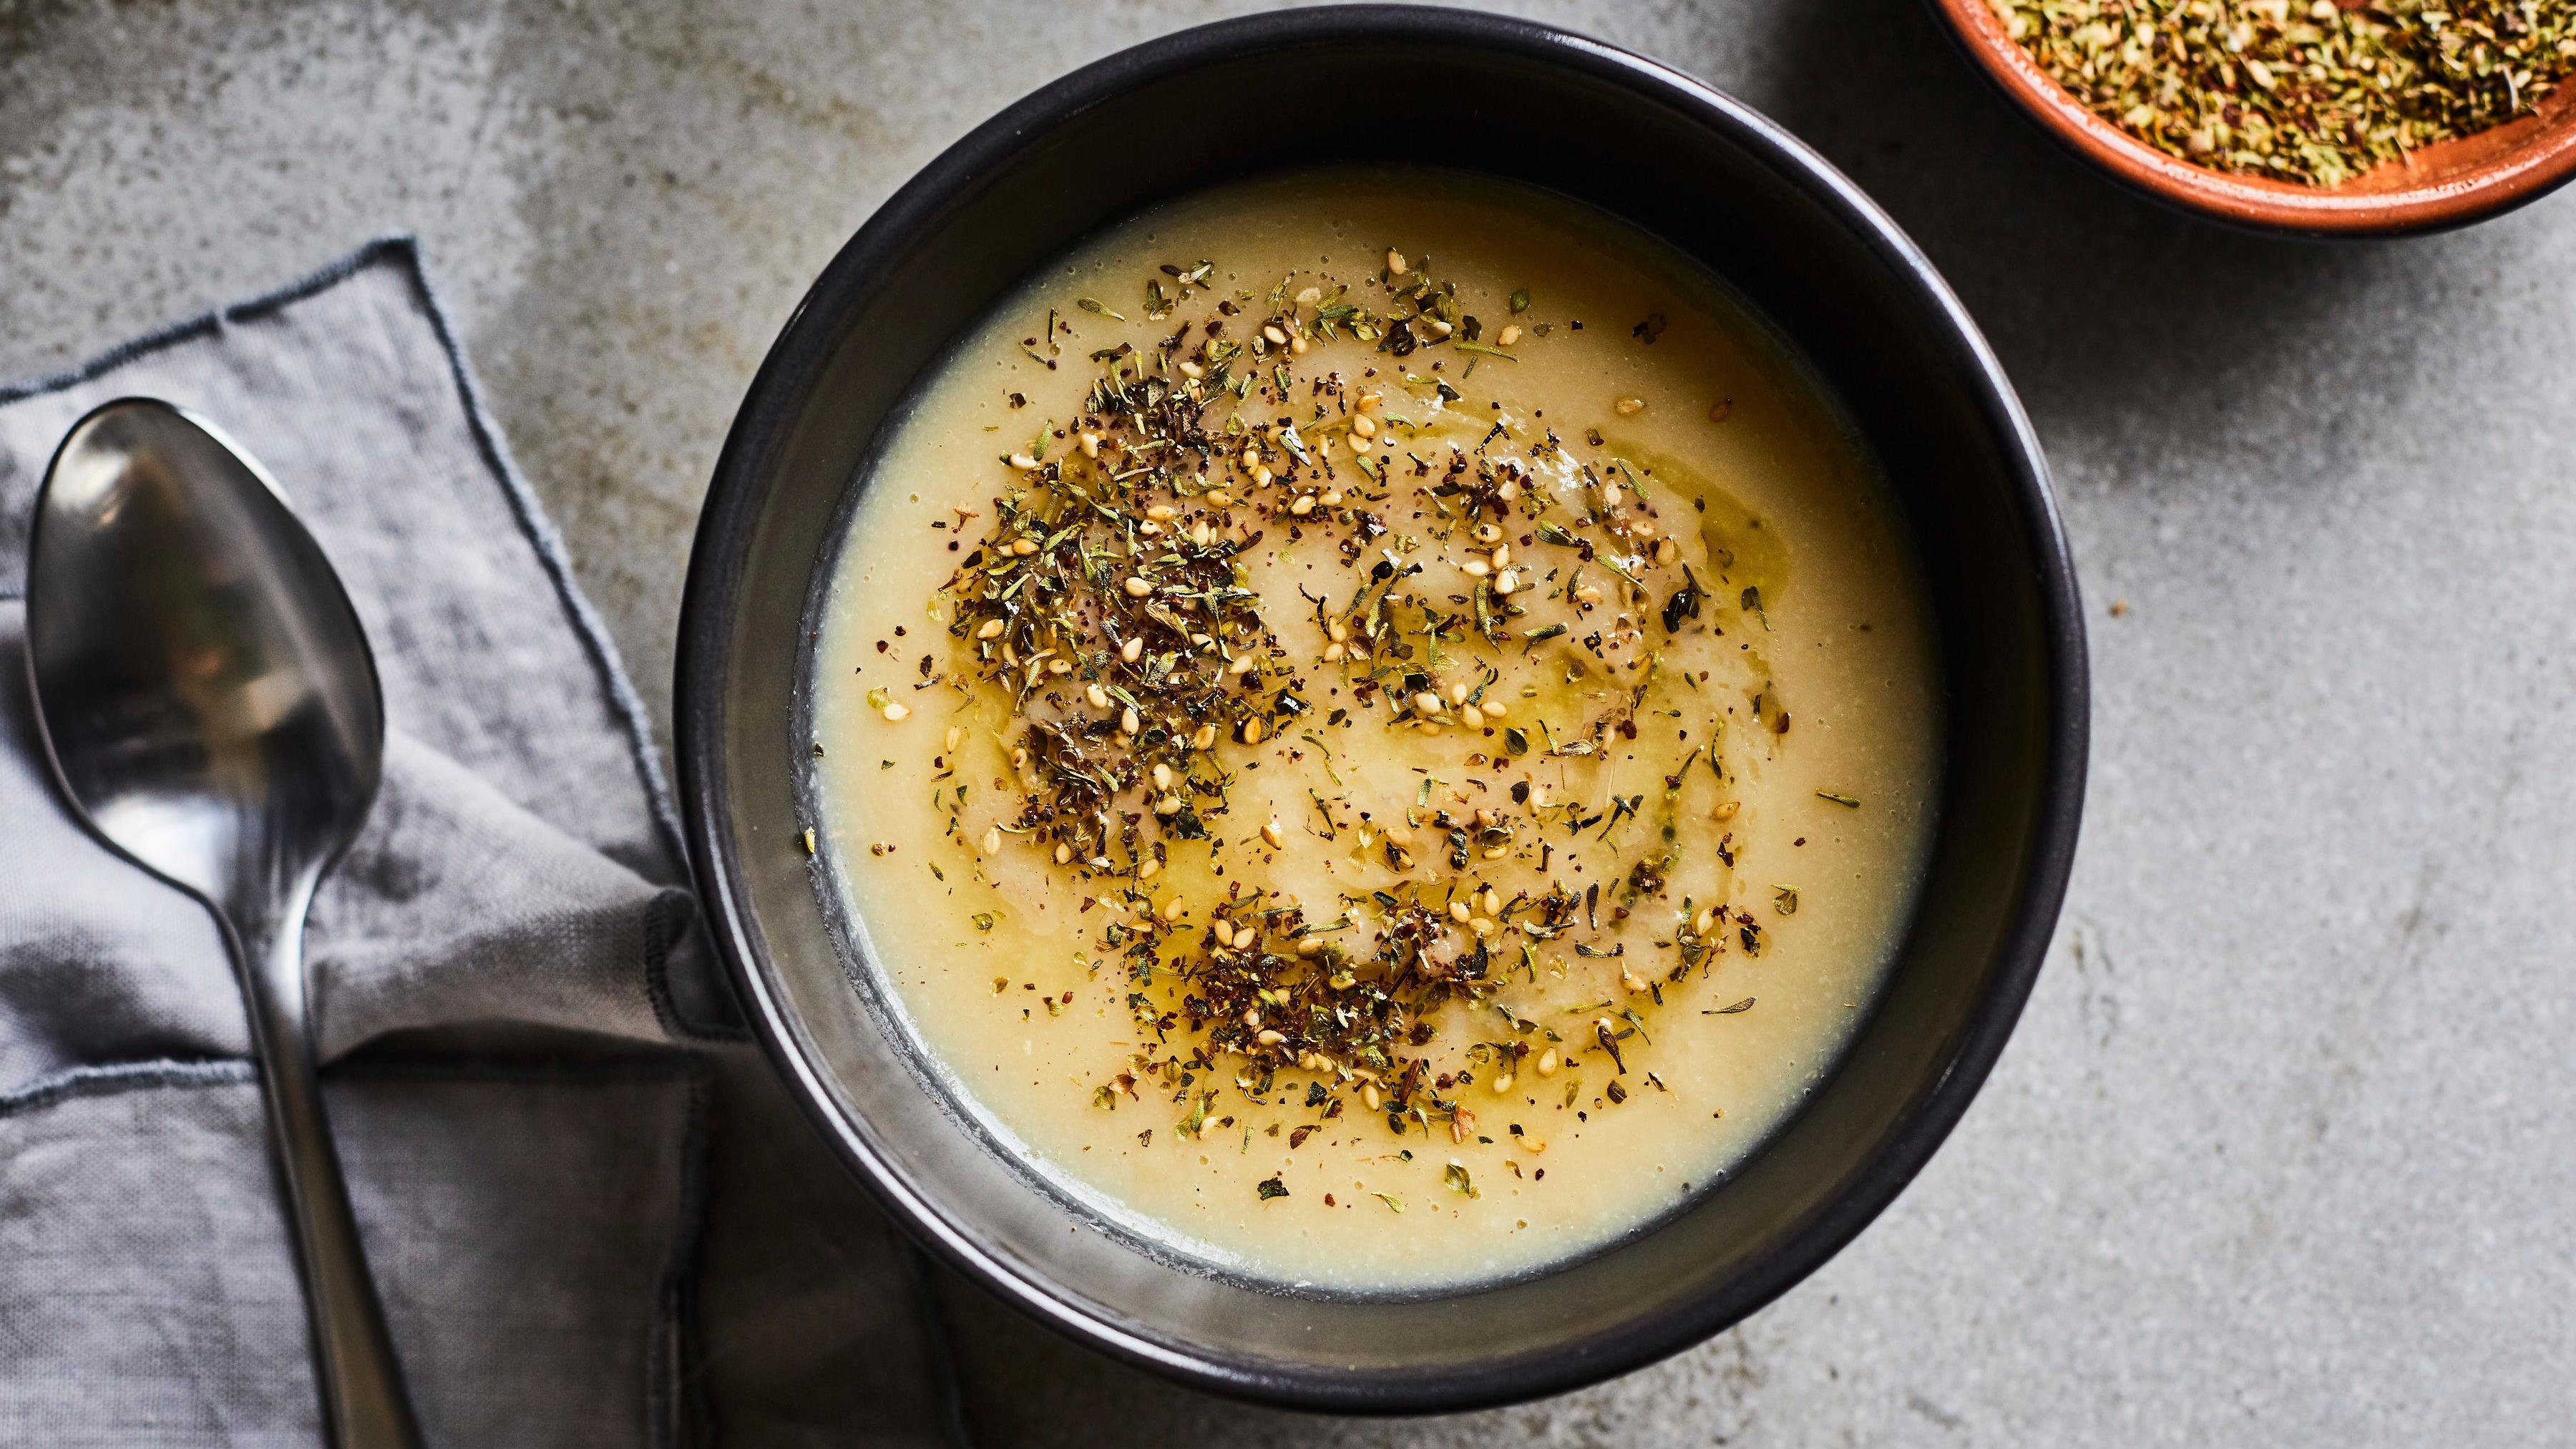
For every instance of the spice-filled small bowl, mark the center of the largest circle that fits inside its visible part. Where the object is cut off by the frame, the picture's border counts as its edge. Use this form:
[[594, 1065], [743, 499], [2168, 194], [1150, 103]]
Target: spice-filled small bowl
[[2322, 118], [1537, 551]]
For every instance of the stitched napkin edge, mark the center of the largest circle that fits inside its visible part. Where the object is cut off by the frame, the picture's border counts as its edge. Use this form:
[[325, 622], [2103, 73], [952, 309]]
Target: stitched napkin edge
[[405, 250]]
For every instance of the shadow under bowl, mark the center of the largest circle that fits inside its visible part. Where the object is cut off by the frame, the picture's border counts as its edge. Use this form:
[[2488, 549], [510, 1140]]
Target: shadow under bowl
[[1521, 101], [2453, 184]]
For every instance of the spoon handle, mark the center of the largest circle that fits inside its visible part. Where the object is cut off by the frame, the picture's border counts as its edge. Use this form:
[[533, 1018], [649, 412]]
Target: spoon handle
[[363, 1403]]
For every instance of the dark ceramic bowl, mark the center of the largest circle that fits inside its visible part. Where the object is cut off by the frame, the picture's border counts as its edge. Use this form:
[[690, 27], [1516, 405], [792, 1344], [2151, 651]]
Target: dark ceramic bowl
[[1608, 128]]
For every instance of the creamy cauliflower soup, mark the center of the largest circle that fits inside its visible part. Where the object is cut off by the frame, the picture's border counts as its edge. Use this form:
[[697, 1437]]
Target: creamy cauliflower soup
[[1379, 730]]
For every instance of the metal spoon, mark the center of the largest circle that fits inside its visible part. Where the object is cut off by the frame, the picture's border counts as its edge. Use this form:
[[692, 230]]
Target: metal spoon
[[211, 710]]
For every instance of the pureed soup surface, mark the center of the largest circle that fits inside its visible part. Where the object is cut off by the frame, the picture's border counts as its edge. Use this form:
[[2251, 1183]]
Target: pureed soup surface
[[1377, 727]]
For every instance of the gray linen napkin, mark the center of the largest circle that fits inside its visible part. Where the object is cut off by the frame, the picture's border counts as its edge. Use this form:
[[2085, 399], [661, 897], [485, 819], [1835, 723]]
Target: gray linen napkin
[[524, 1045]]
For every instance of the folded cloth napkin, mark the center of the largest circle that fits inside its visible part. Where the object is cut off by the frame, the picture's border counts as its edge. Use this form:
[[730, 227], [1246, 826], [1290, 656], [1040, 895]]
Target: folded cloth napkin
[[589, 1213]]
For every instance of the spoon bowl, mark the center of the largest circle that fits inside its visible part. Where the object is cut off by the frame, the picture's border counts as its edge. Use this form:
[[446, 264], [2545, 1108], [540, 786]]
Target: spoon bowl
[[207, 693], [211, 710]]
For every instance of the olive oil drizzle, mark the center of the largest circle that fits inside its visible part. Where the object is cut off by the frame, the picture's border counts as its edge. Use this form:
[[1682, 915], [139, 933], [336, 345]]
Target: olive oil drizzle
[[1105, 611]]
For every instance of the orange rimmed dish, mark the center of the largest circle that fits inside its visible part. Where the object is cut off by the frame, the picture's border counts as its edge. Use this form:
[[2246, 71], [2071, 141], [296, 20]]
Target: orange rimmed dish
[[2455, 183]]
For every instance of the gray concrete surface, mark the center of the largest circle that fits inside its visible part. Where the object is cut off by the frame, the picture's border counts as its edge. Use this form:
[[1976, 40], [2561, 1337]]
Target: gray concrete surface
[[2280, 1152]]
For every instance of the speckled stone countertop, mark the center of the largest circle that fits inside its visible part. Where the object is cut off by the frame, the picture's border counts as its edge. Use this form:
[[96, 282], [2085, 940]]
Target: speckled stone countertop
[[2278, 1154]]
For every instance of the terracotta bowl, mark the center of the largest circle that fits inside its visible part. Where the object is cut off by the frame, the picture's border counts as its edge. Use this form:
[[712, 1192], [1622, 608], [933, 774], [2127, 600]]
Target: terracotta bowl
[[2452, 184]]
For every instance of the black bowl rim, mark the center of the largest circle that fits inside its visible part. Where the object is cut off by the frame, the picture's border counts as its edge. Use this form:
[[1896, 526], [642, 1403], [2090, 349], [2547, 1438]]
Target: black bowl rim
[[804, 343]]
